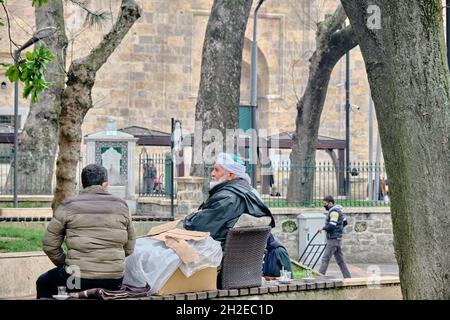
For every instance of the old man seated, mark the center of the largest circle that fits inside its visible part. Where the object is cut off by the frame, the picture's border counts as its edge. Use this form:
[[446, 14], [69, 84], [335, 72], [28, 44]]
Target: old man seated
[[231, 197]]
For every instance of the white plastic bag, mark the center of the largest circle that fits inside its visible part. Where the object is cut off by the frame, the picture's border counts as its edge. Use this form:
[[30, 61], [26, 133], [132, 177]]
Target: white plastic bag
[[151, 262], [154, 263], [210, 253]]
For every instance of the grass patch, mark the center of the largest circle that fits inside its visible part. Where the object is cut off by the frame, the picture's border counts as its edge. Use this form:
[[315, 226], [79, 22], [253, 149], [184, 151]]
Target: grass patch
[[20, 240], [282, 203], [300, 273], [25, 204]]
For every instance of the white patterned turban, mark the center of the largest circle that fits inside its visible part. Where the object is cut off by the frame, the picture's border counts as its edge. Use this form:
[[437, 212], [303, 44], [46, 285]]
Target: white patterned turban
[[234, 164]]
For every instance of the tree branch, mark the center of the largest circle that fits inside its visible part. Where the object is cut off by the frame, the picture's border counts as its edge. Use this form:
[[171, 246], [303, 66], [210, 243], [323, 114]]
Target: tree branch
[[129, 13], [111, 13], [11, 42], [92, 17], [341, 42], [333, 22], [330, 25]]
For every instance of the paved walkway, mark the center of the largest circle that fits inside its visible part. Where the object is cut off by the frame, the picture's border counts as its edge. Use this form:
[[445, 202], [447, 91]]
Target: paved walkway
[[362, 270]]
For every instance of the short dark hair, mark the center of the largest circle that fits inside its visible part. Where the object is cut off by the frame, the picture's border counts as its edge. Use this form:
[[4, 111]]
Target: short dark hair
[[329, 199], [93, 174]]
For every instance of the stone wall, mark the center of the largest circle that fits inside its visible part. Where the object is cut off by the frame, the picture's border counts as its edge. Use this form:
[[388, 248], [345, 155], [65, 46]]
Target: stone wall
[[189, 194], [288, 236], [155, 207], [19, 271], [154, 73], [368, 238]]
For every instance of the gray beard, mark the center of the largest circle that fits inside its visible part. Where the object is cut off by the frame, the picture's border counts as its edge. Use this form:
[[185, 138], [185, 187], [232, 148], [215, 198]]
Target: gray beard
[[212, 184]]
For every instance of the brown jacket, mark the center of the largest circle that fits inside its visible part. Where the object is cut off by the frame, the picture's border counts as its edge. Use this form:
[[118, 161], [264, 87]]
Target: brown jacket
[[98, 231]]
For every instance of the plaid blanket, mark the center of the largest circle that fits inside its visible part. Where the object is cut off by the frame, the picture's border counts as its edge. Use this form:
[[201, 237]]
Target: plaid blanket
[[125, 292]]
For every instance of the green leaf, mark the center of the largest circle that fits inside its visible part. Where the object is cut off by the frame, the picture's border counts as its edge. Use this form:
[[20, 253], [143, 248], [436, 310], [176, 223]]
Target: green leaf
[[31, 71], [38, 3], [30, 55], [13, 73], [26, 91], [34, 96]]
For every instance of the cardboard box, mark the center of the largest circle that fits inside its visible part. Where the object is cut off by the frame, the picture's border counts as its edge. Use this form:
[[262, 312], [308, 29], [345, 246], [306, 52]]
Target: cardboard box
[[203, 280]]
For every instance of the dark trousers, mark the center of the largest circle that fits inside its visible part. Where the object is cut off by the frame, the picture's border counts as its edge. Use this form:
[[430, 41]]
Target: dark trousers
[[149, 185], [333, 247], [47, 284]]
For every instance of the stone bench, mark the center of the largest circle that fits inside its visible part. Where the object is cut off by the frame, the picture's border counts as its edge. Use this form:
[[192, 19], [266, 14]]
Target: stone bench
[[321, 288], [296, 285]]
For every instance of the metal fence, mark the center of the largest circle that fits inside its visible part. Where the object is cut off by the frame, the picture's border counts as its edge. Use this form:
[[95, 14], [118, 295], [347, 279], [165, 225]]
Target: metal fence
[[38, 180], [325, 179], [155, 180], [155, 175]]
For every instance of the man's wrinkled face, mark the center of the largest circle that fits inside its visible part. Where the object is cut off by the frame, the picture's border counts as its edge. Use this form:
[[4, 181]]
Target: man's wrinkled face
[[220, 174]]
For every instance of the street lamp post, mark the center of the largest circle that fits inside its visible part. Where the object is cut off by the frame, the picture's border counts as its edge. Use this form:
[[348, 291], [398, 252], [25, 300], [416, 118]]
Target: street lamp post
[[254, 92], [175, 145], [347, 123], [35, 38], [370, 187], [172, 145], [16, 120]]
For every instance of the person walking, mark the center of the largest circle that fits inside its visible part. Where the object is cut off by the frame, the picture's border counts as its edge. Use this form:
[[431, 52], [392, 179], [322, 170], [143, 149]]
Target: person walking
[[334, 227], [149, 177]]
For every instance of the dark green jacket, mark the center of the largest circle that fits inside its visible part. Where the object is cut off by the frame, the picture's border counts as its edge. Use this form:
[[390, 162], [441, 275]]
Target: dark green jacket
[[226, 203]]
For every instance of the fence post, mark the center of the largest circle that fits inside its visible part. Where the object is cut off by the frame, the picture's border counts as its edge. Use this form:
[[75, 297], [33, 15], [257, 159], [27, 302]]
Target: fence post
[[168, 174]]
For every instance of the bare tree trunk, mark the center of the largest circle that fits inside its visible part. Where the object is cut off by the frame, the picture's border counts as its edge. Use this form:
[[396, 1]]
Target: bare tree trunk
[[219, 92], [77, 100], [409, 80], [39, 138], [332, 43]]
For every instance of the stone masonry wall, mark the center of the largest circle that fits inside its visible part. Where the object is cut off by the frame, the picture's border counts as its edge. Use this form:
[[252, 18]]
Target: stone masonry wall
[[368, 238], [154, 74], [287, 236]]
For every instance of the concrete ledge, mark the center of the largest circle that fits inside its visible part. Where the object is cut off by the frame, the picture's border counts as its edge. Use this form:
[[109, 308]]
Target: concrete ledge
[[286, 211], [163, 201], [364, 282], [352, 210], [349, 210], [20, 255], [190, 179], [31, 198], [26, 212], [19, 272], [353, 289]]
